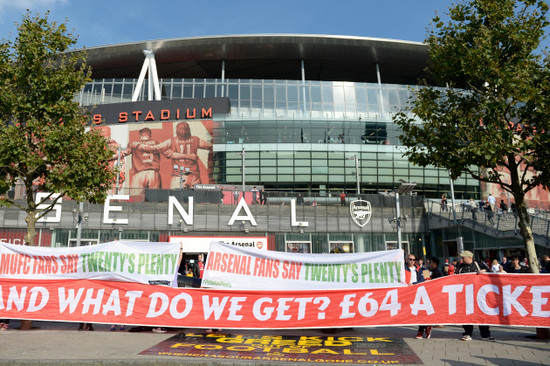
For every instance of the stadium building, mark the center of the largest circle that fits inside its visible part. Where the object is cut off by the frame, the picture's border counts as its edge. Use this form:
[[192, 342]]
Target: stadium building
[[283, 142]]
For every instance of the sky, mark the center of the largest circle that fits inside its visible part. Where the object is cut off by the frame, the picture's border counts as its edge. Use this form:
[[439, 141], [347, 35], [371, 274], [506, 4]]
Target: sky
[[107, 22], [102, 22]]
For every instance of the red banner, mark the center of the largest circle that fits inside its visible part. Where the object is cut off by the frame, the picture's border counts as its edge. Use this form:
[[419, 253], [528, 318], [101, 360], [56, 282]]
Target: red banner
[[492, 299]]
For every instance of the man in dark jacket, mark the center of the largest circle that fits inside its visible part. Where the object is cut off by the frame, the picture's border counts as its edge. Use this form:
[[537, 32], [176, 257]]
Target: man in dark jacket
[[469, 265], [515, 267]]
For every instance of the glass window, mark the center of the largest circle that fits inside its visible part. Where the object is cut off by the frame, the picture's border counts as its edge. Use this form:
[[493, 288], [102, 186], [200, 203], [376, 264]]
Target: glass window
[[210, 90], [269, 96], [199, 90], [280, 97], [285, 170], [302, 163], [245, 91], [319, 170], [302, 155], [233, 92], [177, 91], [188, 90]]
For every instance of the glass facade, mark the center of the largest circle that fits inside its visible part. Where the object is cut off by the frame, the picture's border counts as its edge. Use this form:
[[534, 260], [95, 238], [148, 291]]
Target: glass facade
[[301, 135]]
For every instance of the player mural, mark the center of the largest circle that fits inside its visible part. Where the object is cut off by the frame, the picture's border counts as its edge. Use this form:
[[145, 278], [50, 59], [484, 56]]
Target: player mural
[[183, 152], [117, 160], [160, 155]]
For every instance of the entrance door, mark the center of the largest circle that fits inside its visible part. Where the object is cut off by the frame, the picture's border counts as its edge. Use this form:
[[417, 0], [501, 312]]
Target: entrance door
[[450, 249]]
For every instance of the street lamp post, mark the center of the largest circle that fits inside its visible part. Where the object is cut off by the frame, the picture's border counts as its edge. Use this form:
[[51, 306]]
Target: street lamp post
[[459, 240], [243, 167], [77, 215], [399, 222], [357, 174]]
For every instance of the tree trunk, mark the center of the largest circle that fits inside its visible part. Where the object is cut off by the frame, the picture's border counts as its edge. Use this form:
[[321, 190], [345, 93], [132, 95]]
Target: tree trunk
[[29, 240], [31, 227], [527, 235]]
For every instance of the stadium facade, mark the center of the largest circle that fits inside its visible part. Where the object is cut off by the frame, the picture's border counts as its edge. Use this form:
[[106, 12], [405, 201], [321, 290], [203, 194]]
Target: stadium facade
[[290, 120]]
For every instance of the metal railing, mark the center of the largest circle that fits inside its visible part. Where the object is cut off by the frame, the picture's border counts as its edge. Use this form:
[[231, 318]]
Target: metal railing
[[484, 220]]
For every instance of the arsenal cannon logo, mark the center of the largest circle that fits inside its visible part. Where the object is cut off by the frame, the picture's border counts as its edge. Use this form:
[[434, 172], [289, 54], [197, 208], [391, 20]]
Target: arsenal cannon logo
[[361, 212]]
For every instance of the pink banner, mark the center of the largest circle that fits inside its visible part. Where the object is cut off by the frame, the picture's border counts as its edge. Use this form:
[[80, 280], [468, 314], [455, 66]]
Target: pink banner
[[492, 299]]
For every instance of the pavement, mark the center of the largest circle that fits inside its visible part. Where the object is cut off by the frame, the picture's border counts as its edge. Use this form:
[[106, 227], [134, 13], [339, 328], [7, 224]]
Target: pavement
[[56, 343]]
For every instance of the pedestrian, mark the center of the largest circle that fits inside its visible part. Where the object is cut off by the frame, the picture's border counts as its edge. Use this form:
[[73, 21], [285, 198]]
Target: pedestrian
[[263, 197], [434, 272], [496, 267], [514, 209], [469, 265], [448, 268], [443, 203], [421, 265], [516, 267], [236, 196], [343, 198], [412, 274], [505, 263], [300, 200], [492, 201], [473, 209], [490, 213], [254, 195], [503, 206]]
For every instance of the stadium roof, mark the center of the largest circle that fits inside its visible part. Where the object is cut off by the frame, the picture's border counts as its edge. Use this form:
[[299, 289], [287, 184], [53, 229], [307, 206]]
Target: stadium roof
[[268, 56]]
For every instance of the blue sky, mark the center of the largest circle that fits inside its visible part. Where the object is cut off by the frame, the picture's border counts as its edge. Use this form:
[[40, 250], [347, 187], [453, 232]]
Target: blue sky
[[103, 22]]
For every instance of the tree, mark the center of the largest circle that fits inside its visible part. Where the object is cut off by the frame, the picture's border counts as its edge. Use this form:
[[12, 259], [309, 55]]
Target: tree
[[45, 145], [490, 115]]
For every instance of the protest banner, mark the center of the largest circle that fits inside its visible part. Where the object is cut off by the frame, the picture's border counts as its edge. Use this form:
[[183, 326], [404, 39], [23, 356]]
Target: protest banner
[[239, 268], [149, 263], [491, 299]]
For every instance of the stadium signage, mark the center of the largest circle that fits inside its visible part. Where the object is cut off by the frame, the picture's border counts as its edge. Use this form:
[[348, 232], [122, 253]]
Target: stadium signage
[[361, 212], [159, 111], [173, 205]]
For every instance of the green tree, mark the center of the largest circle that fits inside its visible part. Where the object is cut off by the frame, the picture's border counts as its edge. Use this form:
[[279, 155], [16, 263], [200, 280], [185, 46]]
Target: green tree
[[490, 115], [44, 143]]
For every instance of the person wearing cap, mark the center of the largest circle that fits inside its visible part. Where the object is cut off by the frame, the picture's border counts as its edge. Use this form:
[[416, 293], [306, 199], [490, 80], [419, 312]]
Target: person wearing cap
[[469, 265]]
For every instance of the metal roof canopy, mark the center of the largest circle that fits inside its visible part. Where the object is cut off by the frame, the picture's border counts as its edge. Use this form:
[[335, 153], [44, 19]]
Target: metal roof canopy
[[330, 58]]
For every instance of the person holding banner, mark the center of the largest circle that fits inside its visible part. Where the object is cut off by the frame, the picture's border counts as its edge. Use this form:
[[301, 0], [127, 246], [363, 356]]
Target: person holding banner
[[435, 272], [412, 273], [469, 265]]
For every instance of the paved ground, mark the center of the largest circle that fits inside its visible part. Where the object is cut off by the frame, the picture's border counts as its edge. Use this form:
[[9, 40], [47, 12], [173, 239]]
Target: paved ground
[[62, 344]]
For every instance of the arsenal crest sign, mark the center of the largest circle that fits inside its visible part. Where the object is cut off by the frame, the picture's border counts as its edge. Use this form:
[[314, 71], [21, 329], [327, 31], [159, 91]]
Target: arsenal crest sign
[[361, 212]]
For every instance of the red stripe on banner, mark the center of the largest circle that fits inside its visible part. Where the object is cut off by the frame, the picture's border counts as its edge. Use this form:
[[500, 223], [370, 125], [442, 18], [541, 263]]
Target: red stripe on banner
[[492, 299]]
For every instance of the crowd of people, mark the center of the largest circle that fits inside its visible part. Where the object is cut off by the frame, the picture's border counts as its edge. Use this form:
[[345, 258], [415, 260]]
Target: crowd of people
[[489, 207], [417, 271]]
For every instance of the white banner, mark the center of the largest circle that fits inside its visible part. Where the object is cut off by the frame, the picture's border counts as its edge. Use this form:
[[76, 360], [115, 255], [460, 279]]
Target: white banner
[[201, 244], [149, 263], [251, 269]]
